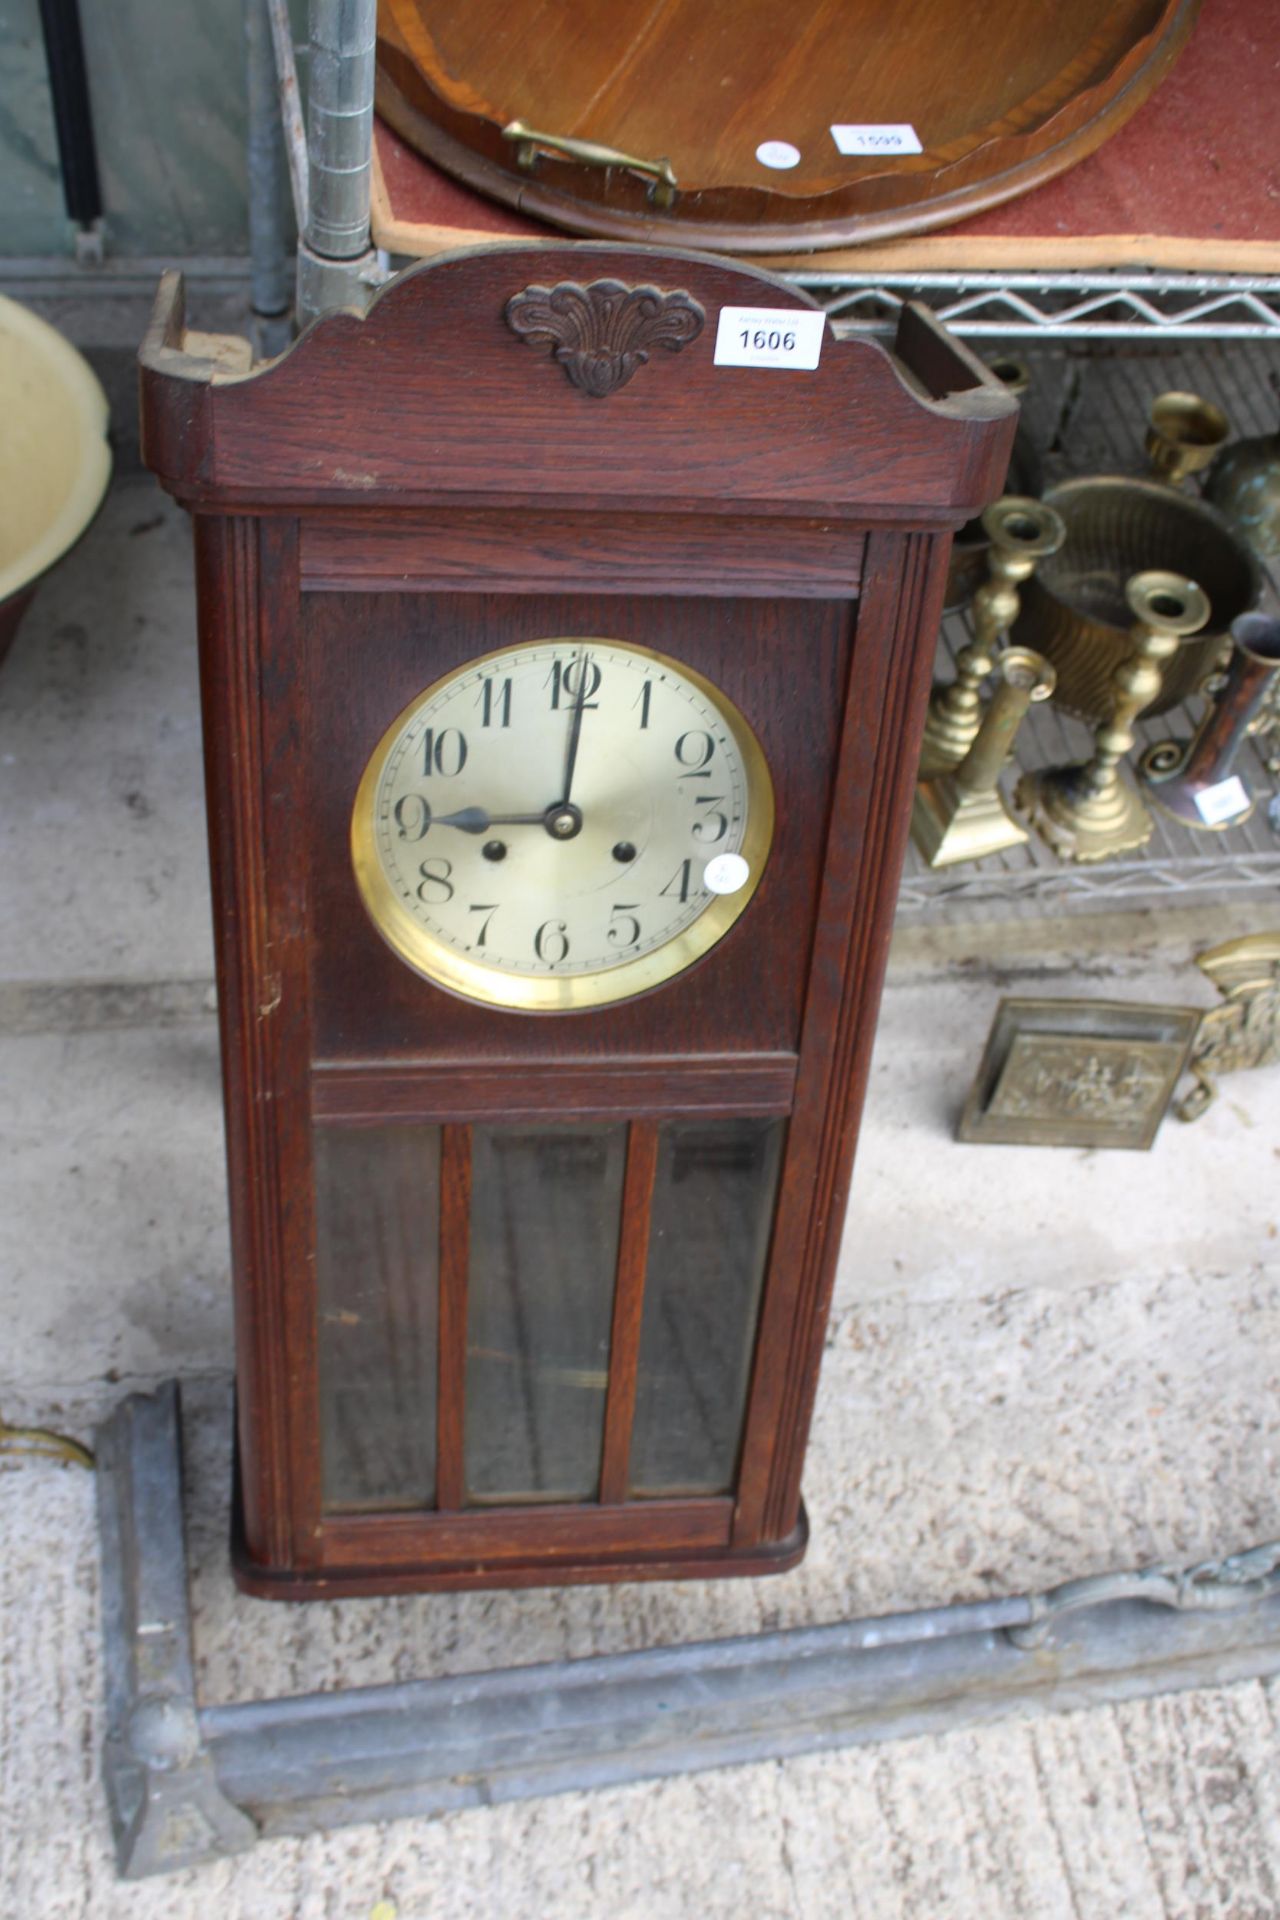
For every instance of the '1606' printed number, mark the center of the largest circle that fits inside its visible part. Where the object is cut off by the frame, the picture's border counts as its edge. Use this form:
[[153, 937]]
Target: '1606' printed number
[[766, 341]]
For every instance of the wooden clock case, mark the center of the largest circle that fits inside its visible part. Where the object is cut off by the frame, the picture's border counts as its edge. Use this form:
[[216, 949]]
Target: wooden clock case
[[393, 496]]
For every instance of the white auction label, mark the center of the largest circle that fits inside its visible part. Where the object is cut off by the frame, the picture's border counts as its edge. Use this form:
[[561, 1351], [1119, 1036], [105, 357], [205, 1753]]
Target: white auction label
[[727, 873], [769, 337], [777, 153], [866, 140], [1223, 802]]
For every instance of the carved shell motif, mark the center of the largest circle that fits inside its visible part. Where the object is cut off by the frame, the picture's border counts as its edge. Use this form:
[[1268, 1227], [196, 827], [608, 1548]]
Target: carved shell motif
[[602, 333]]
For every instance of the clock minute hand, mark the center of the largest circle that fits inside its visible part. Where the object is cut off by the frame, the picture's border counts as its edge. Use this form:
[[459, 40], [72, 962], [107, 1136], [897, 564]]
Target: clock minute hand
[[575, 729], [477, 820]]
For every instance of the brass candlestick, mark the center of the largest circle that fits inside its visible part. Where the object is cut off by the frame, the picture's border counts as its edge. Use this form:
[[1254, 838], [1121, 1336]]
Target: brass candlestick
[[1015, 373], [962, 815], [1088, 812], [1197, 782], [1185, 434], [969, 549], [1021, 531]]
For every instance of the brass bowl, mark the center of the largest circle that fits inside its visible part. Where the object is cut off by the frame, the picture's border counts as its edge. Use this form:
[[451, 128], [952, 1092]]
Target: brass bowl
[[1074, 609]]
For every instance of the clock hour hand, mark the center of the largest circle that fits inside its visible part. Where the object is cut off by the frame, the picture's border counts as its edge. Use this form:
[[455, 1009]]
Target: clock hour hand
[[476, 820]]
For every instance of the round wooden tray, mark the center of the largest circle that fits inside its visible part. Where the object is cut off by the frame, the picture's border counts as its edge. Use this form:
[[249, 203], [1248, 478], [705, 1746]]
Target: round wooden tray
[[998, 100]]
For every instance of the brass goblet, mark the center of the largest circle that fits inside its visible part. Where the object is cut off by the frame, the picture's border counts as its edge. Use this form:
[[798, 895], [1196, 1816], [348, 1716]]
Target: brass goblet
[[1185, 434], [1089, 812], [1021, 531]]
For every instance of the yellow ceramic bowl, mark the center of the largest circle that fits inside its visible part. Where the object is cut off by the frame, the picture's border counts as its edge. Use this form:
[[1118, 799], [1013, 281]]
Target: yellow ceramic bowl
[[54, 458]]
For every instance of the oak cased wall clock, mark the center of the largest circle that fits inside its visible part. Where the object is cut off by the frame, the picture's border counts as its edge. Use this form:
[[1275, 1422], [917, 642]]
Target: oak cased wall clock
[[562, 683]]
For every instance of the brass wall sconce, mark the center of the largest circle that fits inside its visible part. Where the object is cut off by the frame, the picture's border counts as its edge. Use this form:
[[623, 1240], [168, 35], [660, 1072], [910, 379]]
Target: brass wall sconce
[[962, 815], [1185, 434], [1197, 782], [1021, 531], [1088, 812], [1244, 1029]]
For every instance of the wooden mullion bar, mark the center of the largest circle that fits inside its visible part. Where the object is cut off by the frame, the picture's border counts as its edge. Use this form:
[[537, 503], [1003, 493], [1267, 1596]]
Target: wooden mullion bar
[[455, 1260], [628, 1306]]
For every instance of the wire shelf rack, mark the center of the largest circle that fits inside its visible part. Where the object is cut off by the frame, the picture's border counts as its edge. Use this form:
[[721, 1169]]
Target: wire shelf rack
[[1098, 306], [1088, 414]]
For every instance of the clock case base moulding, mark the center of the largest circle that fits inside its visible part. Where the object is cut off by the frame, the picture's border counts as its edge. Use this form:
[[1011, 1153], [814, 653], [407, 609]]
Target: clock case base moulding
[[399, 494], [357, 1583]]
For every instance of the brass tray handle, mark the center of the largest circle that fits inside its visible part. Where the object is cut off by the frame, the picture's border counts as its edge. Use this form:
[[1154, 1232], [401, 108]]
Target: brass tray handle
[[663, 186]]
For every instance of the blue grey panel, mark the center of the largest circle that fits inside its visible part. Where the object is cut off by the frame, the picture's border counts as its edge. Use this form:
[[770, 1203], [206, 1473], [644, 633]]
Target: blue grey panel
[[167, 83], [31, 215]]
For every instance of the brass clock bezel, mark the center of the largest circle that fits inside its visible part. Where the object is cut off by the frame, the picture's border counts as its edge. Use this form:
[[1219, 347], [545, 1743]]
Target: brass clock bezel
[[445, 967]]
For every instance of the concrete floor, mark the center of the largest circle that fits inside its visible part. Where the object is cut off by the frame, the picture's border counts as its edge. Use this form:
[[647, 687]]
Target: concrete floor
[[1040, 1364]]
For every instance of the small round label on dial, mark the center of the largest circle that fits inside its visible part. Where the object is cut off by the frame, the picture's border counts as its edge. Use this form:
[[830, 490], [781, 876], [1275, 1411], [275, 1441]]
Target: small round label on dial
[[727, 873], [778, 153]]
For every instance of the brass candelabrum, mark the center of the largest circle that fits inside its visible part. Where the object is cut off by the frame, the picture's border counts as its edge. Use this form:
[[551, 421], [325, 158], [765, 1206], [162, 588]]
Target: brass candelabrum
[[1197, 782], [1089, 812], [1185, 434], [1021, 531], [962, 815]]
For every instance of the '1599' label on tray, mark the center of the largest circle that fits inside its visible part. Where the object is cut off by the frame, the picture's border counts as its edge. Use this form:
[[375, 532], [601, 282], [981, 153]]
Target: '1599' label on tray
[[867, 140]]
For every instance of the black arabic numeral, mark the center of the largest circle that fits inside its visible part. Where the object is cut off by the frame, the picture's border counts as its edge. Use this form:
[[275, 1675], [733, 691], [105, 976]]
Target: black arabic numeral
[[694, 751], [702, 825], [680, 880], [413, 816], [552, 933], [644, 702], [435, 873], [489, 907], [567, 679], [489, 704], [444, 752], [616, 935]]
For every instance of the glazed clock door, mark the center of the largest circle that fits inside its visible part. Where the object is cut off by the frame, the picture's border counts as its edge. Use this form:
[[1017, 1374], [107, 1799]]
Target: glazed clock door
[[604, 1289]]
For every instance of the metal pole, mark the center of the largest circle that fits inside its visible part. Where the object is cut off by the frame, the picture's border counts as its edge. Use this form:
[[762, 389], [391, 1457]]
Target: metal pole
[[290, 106], [188, 1783], [73, 123], [336, 265], [271, 235]]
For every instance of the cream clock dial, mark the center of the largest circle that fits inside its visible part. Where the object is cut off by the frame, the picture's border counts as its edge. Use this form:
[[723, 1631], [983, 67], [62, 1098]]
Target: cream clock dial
[[562, 824]]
